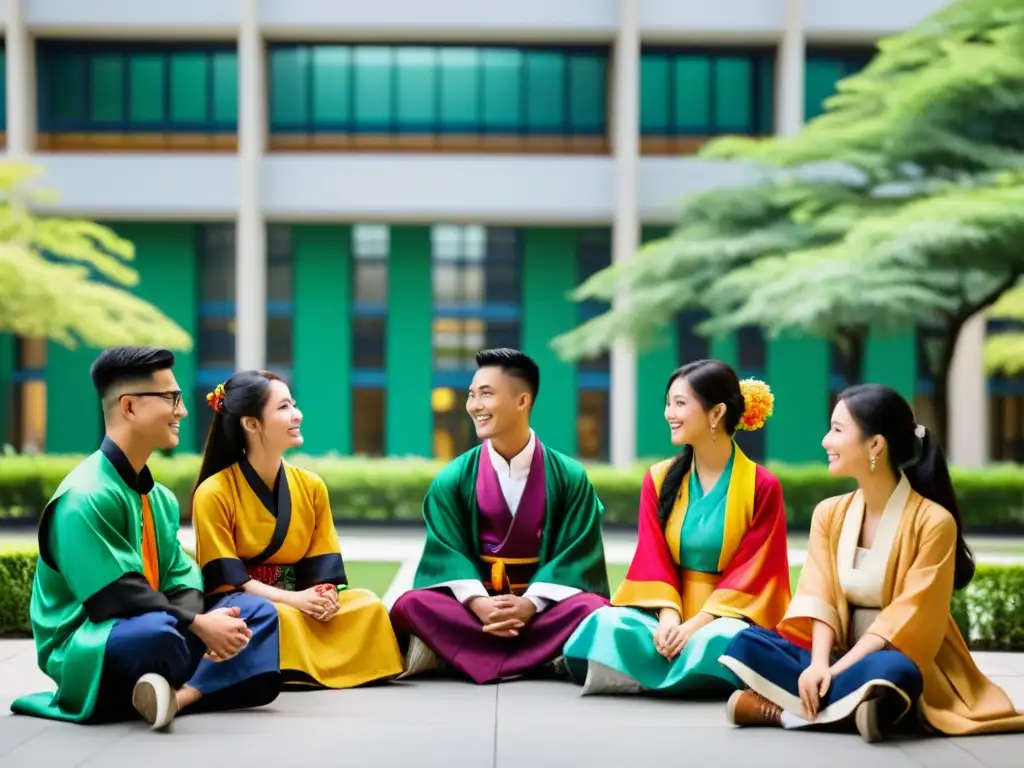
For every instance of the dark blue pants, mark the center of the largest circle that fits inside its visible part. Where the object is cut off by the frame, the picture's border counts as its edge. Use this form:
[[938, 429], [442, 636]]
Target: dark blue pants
[[152, 643]]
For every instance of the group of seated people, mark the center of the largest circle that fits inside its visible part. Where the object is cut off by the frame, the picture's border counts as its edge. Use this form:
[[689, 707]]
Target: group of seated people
[[512, 582]]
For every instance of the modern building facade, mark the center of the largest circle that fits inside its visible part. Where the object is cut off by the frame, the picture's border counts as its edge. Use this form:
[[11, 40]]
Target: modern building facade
[[361, 195]]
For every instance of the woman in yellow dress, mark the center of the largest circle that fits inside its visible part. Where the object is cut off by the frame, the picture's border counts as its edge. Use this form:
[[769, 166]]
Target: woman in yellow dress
[[868, 638], [265, 527]]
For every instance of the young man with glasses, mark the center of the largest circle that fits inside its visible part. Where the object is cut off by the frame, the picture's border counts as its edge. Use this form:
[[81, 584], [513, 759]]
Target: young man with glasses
[[117, 606]]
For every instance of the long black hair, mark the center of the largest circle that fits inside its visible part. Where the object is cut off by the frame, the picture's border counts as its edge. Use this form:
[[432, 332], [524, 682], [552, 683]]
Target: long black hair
[[245, 394], [713, 382], [881, 410]]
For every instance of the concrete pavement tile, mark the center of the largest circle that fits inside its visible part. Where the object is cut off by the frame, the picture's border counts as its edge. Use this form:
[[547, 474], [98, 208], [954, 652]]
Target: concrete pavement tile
[[557, 745], [533, 702], [15, 731], [377, 743], [938, 753], [996, 751], [61, 745]]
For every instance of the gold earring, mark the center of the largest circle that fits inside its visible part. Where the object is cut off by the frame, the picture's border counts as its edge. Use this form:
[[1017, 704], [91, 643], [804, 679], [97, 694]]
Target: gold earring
[[872, 463], [713, 431]]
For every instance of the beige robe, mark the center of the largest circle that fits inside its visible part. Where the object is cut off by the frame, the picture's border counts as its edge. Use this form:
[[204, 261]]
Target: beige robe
[[915, 546]]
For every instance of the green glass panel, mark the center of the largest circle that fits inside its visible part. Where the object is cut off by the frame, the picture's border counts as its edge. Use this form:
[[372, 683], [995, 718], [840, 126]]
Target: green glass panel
[[416, 83], [766, 109], [460, 88], [108, 87], [502, 89], [3, 91], [586, 93], [225, 87], [189, 87], [289, 70], [332, 84], [693, 94], [68, 87], [373, 87], [545, 96], [146, 88], [734, 86], [820, 77], [654, 93]]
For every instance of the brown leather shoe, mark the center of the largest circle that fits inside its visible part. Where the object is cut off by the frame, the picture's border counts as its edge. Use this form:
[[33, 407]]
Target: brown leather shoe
[[749, 709]]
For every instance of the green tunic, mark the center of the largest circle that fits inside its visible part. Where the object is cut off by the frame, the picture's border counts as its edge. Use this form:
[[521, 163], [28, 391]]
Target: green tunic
[[90, 535], [571, 548]]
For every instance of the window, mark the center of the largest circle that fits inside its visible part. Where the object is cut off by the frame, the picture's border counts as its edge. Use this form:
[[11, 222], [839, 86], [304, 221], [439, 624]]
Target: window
[[371, 245], [824, 69], [690, 344], [280, 304], [155, 89], [215, 340], [438, 97], [29, 396], [477, 286], [689, 95], [593, 376], [1006, 419], [3, 88]]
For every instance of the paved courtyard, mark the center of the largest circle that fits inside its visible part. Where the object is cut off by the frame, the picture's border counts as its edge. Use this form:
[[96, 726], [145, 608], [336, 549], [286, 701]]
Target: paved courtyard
[[457, 725]]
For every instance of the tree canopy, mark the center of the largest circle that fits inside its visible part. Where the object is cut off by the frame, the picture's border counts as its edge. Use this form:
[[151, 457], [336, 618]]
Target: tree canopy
[[900, 206], [68, 280]]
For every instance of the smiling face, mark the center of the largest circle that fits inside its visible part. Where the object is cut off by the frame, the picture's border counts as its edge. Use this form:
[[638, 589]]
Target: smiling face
[[688, 421], [496, 402], [280, 422], [849, 452], [155, 417]]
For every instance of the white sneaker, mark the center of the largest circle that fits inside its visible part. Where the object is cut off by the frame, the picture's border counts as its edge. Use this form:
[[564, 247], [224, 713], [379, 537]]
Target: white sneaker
[[154, 699], [866, 717], [602, 679], [419, 659]]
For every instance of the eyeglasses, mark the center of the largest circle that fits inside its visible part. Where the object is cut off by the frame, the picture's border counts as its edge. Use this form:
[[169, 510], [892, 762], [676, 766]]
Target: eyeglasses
[[174, 397]]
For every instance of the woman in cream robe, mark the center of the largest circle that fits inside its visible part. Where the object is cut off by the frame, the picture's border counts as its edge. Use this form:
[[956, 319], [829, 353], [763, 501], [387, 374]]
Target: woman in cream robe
[[868, 636]]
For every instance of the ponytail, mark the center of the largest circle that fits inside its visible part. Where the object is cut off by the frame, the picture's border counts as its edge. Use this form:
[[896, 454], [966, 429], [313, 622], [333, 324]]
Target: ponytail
[[224, 447], [929, 476], [673, 483]]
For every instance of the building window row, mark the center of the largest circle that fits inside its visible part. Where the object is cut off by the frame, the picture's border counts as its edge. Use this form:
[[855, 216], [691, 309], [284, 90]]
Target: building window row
[[119, 95]]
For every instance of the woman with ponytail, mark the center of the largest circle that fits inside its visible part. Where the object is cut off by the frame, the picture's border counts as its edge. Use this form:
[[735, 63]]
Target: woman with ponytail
[[711, 554], [868, 638], [265, 527]]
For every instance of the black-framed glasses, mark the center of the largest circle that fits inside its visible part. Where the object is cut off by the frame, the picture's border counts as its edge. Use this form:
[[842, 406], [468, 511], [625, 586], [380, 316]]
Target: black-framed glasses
[[173, 397]]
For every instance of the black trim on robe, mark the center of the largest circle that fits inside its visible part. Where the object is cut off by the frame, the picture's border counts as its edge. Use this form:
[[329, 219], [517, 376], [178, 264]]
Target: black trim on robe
[[320, 569], [130, 595], [142, 483], [277, 501], [225, 571]]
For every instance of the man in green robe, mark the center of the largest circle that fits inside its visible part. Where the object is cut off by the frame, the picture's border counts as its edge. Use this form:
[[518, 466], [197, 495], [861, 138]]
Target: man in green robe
[[514, 557], [117, 606]]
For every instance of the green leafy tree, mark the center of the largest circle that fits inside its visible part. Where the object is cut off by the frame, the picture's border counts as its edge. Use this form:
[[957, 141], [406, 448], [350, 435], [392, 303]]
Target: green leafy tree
[[67, 280], [899, 206]]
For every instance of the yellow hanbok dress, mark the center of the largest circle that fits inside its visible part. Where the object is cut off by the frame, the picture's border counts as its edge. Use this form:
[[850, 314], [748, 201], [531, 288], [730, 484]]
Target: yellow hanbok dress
[[285, 537]]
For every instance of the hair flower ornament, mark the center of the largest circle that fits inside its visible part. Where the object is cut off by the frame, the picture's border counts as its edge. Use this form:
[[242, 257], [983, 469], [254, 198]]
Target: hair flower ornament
[[919, 431], [759, 403], [215, 399]]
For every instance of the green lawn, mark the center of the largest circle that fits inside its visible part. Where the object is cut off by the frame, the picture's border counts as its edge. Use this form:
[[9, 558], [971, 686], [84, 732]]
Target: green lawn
[[374, 576], [616, 573]]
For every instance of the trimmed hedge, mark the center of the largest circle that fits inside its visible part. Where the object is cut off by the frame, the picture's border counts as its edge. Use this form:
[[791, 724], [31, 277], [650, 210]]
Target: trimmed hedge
[[990, 612], [379, 490]]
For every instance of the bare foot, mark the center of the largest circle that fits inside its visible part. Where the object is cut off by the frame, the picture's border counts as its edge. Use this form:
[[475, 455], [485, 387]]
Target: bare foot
[[185, 696]]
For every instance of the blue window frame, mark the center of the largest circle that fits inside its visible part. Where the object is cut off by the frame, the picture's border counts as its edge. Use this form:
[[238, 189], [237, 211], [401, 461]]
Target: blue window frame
[[93, 87], [706, 91], [371, 245], [438, 90], [477, 289], [824, 68], [593, 377]]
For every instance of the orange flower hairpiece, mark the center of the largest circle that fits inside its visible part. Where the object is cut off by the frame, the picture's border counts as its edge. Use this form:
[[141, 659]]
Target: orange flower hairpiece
[[759, 403], [215, 399]]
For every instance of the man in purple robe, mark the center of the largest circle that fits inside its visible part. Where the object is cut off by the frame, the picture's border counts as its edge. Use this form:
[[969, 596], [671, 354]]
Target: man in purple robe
[[514, 557]]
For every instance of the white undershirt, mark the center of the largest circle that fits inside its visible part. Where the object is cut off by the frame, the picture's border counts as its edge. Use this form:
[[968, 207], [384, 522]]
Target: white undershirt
[[512, 477]]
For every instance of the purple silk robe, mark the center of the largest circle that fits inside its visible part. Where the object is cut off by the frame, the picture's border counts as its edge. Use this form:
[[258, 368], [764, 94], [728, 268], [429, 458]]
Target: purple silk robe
[[511, 546]]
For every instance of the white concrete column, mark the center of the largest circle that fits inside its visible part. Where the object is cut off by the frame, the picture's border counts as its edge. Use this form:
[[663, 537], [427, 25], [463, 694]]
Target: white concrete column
[[250, 232], [789, 72], [967, 442], [626, 226], [20, 61]]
